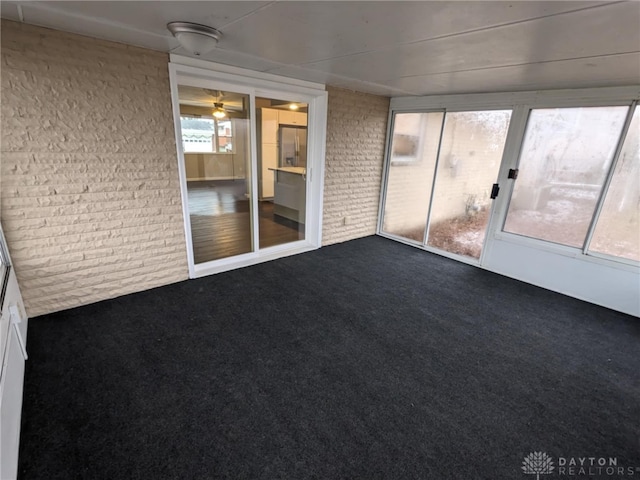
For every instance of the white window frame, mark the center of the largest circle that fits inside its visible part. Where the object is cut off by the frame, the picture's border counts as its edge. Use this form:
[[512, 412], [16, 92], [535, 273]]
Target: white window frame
[[558, 248], [586, 249], [215, 143], [199, 73]]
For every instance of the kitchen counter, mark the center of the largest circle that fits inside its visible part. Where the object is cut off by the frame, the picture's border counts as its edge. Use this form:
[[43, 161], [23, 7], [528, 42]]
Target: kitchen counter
[[290, 192], [296, 170]]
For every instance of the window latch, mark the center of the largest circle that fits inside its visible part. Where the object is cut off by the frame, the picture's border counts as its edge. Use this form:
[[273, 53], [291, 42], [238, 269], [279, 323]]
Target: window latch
[[513, 173], [495, 190]]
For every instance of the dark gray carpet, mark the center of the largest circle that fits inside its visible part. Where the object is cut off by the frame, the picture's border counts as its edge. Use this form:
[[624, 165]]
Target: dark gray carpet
[[365, 360]]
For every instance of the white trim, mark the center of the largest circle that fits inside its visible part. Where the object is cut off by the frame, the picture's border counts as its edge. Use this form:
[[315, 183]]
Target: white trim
[[191, 72], [426, 248], [434, 180], [510, 159], [244, 76], [253, 173], [604, 190], [182, 169], [252, 258], [574, 97], [13, 342], [385, 171], [584, 278], [567, 251], [316, 147], [612, 260]]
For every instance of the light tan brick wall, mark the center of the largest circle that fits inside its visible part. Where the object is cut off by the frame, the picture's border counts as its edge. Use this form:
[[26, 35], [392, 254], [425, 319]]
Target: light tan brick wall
[[90, 192], [356, 131]]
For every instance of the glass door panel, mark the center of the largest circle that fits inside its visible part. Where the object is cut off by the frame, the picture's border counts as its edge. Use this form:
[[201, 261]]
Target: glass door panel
[[282, 171], [565, 157], [215, 141], [413, 155], [470, 154], [617, 232]]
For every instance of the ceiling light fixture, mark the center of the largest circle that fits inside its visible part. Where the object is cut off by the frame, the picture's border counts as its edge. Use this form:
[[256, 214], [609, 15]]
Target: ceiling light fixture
[[219, 111], [195, 38], [293, 106]]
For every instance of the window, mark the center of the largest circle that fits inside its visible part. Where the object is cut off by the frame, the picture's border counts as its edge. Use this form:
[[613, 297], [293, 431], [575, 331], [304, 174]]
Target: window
[[225, 138], [408, 133], [565, 158], [442, 166], [206, 135], [617, 231], [414, 153]]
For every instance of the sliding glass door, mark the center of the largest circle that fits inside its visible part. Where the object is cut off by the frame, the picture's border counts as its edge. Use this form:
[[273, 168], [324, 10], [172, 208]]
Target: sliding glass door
[[216, 144], [250, 158], [442, 166], [282, 170], [470, 154], [215, 131]]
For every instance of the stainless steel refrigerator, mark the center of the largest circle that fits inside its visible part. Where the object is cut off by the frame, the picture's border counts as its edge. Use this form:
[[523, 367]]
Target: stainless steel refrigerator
[[293, 147]]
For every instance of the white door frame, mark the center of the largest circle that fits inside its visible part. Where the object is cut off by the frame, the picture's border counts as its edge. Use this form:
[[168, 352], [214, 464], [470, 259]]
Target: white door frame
[[187, 71]]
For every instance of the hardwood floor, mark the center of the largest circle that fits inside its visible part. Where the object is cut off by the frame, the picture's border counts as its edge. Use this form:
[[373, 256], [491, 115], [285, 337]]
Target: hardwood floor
[[221, 221]]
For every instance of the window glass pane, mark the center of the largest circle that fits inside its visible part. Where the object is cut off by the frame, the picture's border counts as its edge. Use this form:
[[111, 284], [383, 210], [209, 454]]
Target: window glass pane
[[282, 170], [218, 181], [470, 156], [414, 150], [225, 136], [198, 134], [564, 161], [618, 229]]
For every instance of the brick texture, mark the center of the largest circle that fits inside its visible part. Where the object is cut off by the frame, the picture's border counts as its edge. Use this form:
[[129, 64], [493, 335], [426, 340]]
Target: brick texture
[[90, 192], [356, 131]]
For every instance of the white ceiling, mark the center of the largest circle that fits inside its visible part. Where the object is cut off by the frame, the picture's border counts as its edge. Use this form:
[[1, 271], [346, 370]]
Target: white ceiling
[[384, 47]]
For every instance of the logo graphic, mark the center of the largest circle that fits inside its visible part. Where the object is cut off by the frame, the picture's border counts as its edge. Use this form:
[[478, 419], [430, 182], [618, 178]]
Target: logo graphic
[[537, 463]]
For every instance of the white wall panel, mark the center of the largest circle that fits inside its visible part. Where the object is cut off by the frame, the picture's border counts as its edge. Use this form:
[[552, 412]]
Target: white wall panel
[[613, 286]]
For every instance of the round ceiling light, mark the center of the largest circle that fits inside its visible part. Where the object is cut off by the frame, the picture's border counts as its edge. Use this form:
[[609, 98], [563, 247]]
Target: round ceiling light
[[219, 111], [195, 38]]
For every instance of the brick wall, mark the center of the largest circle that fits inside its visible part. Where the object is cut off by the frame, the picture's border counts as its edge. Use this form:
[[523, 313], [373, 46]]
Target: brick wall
[[356, 131], [90, 193]]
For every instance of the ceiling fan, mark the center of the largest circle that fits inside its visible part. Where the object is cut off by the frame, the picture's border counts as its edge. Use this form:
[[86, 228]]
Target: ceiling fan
[[218, 107]]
